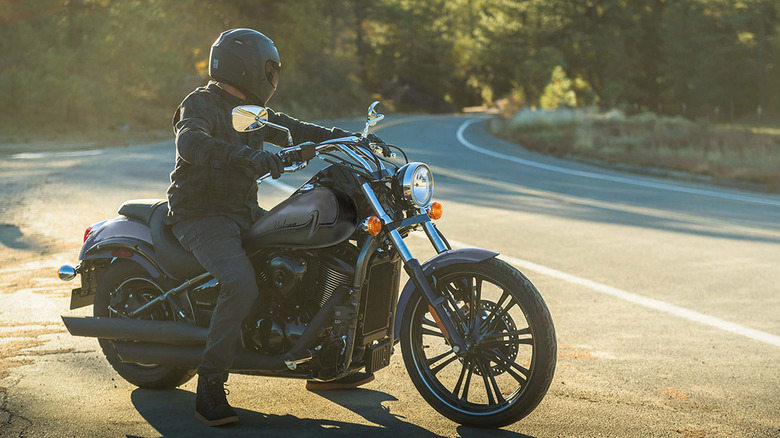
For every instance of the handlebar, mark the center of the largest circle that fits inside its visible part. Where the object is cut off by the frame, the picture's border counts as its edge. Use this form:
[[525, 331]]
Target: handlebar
[[295, 158]]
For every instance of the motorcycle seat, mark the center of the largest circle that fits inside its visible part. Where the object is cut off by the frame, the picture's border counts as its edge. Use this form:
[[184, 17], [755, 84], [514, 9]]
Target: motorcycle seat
[[140, 209], [176, 260]]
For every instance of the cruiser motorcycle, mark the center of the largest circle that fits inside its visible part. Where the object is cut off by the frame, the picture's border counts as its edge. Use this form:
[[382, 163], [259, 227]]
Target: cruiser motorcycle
[[477, 339]]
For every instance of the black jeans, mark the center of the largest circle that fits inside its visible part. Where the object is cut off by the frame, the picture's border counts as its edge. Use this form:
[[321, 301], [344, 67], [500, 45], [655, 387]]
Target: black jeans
[[216, 243]]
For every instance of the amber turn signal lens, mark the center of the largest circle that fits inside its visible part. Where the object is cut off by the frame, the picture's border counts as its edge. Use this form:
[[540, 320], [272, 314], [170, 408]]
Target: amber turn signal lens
[[373, 225], [435, 211]]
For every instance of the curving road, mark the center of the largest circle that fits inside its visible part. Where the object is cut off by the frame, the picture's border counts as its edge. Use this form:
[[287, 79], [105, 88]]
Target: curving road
[[665, 296]]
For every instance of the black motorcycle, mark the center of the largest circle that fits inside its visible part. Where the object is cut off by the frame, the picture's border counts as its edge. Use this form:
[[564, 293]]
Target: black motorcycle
[[476, 336]]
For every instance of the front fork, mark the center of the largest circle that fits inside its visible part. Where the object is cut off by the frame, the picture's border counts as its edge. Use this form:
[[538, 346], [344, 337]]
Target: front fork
[[436, 302]]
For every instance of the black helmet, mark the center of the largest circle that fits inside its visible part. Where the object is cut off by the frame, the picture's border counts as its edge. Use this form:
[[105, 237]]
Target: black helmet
[[247, 60]]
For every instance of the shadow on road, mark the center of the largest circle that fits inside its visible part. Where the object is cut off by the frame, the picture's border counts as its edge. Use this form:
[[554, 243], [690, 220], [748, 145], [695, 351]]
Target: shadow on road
[[368, 404], [12, 237], [171, 413]]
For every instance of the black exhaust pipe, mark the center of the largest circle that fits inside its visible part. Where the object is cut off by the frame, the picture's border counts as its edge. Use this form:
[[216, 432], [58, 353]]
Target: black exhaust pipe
[[152, 351], [165, 332], [190, 356]]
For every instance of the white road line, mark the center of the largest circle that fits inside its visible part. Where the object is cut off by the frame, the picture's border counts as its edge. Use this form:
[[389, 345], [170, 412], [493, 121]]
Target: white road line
[[651, 303], [605, 177], [37, 155]]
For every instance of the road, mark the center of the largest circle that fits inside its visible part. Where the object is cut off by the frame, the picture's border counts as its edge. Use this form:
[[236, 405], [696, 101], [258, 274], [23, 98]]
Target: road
[[664, 296]]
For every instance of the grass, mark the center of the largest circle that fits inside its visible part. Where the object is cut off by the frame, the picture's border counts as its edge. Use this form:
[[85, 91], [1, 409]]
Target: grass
[[722, 153]]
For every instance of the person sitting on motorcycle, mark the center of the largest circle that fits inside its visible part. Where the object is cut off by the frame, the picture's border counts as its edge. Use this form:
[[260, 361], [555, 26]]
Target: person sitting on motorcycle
[[212, 198]]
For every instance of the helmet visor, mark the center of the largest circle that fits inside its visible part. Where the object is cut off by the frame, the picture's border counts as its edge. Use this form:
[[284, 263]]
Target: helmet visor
[[272, 72]]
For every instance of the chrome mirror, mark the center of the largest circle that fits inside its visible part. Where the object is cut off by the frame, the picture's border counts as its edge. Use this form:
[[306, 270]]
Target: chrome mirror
[[249, 118], [373, 117]]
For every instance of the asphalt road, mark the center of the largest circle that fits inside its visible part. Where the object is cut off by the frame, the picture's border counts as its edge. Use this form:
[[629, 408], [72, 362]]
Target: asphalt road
[[665, 298]]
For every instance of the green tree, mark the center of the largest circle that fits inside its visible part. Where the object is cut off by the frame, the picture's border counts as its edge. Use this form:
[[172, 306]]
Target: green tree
[[559, 91]]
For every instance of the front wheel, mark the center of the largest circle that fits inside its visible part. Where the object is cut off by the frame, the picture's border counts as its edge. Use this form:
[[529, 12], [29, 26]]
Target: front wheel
[[510, 357]]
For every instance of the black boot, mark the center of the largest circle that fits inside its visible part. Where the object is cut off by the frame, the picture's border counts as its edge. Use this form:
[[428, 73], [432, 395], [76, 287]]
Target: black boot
[[211, 406]]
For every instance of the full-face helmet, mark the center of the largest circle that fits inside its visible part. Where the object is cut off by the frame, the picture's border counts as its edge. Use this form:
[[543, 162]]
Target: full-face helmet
[[247, 60]]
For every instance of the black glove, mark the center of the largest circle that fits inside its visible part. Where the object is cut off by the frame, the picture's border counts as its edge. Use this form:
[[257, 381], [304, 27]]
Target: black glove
[[255, 162], [266, 162]]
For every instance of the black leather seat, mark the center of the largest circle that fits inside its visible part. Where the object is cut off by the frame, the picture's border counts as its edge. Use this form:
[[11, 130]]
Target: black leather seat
[[140, 209], [179, 262]]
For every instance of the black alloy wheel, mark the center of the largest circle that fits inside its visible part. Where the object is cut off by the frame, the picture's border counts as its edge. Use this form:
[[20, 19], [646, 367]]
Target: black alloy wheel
[[510, 354]]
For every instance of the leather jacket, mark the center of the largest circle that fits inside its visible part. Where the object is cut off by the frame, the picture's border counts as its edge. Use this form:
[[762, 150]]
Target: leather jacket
[[208, 179]]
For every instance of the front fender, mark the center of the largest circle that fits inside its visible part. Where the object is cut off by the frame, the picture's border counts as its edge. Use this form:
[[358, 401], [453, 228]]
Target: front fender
[[446, 258]]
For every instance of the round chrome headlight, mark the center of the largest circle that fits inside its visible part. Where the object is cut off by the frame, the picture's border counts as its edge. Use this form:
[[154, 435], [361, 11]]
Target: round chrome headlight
[[416, 181]]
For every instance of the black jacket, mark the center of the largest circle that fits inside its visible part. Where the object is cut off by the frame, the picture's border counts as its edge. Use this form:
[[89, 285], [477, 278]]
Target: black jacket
[[209, 179]]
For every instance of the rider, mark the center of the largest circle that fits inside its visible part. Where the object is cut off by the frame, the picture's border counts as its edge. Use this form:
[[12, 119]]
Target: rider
[[213, 195]]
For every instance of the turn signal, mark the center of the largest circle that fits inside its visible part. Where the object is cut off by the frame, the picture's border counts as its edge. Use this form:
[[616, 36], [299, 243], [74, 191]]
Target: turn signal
[[435, 211], [373, 225]]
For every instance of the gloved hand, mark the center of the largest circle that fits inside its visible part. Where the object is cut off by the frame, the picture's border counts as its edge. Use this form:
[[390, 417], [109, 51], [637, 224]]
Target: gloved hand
[[255, 162], [266, 162]]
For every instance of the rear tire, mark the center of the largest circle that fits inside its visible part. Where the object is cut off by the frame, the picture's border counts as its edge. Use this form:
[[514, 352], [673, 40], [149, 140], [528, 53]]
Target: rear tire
[[138, 279], [511, 353]]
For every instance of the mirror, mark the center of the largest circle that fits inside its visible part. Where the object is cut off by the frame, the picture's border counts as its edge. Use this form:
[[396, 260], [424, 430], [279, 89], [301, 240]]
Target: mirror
[[373, 117], [249, 118]]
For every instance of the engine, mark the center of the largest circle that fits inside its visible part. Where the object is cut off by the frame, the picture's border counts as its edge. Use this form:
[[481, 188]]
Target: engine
[[294, 286]]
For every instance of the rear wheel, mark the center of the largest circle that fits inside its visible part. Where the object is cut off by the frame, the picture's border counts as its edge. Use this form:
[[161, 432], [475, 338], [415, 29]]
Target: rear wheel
[[125, 286], [510, 357]]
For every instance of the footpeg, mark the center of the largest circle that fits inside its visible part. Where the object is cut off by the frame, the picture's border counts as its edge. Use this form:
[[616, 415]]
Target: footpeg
[[292, 361]]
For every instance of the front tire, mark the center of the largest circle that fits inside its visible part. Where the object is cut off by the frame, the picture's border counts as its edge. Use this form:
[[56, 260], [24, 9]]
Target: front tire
[[132, 280], [510, 360]]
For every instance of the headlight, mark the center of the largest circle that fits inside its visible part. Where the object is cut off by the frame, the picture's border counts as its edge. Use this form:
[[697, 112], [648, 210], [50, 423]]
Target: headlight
[[416, 184]]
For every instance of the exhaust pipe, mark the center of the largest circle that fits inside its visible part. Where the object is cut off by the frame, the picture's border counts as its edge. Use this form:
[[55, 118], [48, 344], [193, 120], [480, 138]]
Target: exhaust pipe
[[186, 342], [190, 356], [165, 332]]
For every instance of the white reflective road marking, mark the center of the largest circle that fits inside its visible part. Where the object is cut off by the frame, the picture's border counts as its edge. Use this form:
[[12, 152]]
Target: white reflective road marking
[[651, 303], [605, 177], [71, 154]]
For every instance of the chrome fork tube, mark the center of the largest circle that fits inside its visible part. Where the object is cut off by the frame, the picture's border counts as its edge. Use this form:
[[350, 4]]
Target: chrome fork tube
[[395, 236], [434, 237], [414, 269]]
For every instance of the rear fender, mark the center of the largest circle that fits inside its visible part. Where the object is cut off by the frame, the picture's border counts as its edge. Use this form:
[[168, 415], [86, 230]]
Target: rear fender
[[439, 261], [118, 228], [122, 235], [139, 253]]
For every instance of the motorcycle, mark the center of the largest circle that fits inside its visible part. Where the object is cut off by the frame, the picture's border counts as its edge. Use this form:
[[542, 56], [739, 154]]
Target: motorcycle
[[476, 337]]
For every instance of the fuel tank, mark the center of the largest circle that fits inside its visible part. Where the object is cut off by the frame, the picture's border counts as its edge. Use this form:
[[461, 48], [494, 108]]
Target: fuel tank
[[315, 218]]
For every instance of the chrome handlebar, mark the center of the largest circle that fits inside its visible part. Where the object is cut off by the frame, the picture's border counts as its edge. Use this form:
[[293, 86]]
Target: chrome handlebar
[[350, 146]]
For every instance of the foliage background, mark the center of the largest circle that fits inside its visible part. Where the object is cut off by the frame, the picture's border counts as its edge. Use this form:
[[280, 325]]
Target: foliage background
[[81, 65]]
